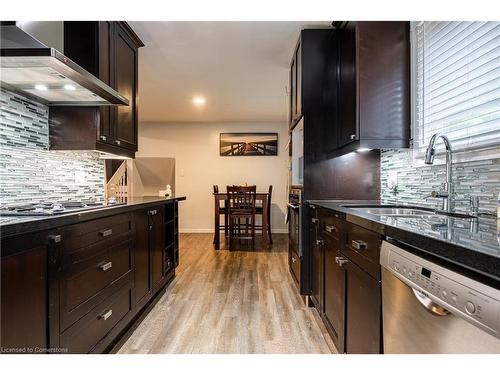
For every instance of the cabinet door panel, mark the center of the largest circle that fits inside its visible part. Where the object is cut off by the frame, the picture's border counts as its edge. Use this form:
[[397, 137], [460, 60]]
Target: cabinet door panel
[[348, 126], [157, 246], [298, 83], [293, 90], [317, 265], [363, 321], [141, 273], [334, 303], [24, 296], [125, 76], [330, 132], [105, 52]]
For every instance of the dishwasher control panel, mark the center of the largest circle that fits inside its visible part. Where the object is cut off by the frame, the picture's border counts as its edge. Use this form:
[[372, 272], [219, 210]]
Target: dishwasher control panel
[[474, 301]]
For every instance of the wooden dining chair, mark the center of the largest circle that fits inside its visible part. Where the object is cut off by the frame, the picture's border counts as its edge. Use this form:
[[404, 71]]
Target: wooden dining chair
[[241, 213], [222, 212], [259, 210]]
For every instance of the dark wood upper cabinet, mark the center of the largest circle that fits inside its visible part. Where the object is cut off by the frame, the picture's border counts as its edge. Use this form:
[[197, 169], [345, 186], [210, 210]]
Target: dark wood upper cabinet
[[125, 82], [351, 86], [108, 50], [374, 86]]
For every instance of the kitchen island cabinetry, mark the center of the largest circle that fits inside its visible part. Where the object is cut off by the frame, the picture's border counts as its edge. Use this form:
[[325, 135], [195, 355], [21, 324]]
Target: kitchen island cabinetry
[[77, 288], [149, 253], [24, 292]]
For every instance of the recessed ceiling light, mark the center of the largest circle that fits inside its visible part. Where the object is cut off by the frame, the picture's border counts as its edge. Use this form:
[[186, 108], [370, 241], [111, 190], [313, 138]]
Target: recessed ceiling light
[[41, 87], [361, 149], [69, 87], [199, 101]]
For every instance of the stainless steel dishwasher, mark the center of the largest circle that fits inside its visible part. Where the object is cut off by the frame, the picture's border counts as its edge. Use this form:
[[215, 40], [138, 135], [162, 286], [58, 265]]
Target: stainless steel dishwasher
[[427, 308]]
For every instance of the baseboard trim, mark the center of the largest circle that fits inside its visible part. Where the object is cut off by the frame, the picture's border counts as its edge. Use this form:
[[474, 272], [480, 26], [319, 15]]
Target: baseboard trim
[[196, 230]]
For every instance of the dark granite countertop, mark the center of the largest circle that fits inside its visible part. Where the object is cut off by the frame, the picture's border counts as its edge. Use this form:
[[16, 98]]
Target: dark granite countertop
[[470, 243], [17, 225]]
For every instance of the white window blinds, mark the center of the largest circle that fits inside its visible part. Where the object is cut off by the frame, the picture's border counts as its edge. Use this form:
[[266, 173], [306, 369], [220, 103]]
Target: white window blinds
[[456, 84]]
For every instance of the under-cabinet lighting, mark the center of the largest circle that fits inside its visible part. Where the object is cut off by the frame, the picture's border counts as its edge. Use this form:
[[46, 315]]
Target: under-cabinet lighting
[[41, 87], [361, 149]]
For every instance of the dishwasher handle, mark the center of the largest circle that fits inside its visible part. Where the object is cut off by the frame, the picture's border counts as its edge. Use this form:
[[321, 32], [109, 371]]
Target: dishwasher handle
[[429, 304]]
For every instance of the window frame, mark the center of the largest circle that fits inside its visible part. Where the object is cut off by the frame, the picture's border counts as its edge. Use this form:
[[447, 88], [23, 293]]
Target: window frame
[[418, 155]]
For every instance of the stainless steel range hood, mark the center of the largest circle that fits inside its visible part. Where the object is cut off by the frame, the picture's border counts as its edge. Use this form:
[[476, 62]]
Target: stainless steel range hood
[[33, 69]]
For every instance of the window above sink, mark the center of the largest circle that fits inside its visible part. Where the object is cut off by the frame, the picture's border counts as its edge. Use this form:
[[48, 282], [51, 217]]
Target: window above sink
[[455, 84]]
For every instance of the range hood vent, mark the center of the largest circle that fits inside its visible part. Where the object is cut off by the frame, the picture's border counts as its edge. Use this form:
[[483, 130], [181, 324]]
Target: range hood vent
[[45, 74]]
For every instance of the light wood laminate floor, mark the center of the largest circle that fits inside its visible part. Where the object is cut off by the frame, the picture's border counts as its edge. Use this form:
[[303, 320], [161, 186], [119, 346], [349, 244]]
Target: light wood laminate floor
[[241, 301]]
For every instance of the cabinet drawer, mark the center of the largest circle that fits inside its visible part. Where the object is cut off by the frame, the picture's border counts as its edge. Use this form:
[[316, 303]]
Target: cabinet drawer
[[294, 264], [97, 231], [363, 248], [93, 327], [85, 280]]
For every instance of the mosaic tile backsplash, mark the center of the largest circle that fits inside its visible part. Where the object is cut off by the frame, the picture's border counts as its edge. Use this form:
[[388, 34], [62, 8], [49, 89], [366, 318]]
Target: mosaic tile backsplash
[[29, 171], [415, 184]]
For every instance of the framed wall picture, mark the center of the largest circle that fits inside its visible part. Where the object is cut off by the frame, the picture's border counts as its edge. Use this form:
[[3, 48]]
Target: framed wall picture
[[248, 144]]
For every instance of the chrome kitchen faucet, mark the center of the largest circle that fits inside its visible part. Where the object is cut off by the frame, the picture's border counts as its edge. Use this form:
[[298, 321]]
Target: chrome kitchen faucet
[[447, 191]]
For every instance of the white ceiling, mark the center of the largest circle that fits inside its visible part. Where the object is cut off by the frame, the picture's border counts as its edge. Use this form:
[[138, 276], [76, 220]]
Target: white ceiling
[[241, 68]]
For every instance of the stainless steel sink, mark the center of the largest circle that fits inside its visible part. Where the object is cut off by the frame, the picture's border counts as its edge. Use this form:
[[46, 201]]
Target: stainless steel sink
[[404, 211], [391, 211]]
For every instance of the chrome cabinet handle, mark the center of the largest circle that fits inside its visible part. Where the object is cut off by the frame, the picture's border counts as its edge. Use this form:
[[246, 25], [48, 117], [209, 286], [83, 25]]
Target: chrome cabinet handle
[[118, 142], [105, 266], [106, 315], [330, 228], [320, 242], [293, 260], [103, 137], [55, 238], [358, 244], [353, 136], [106, 232], [341, 261], [314, 220]]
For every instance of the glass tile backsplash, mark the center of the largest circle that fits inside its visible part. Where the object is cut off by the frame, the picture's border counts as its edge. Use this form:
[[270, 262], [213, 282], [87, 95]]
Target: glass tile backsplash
[[415, 184], [28, 170]]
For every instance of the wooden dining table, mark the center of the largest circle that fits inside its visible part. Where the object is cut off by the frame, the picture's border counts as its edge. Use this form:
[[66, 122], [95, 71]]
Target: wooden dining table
[[223, 197]]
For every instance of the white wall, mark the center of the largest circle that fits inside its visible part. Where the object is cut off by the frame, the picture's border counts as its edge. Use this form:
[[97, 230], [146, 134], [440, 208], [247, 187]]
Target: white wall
[[198, 166]]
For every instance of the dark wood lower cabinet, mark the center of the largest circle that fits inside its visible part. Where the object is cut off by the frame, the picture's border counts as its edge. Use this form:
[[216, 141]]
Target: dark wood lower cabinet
[[334, 294], [77, 288], [141, 254], [316, 244], [157, 246], [350, 301], [149, 253], [24, 294], [363, 302]]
